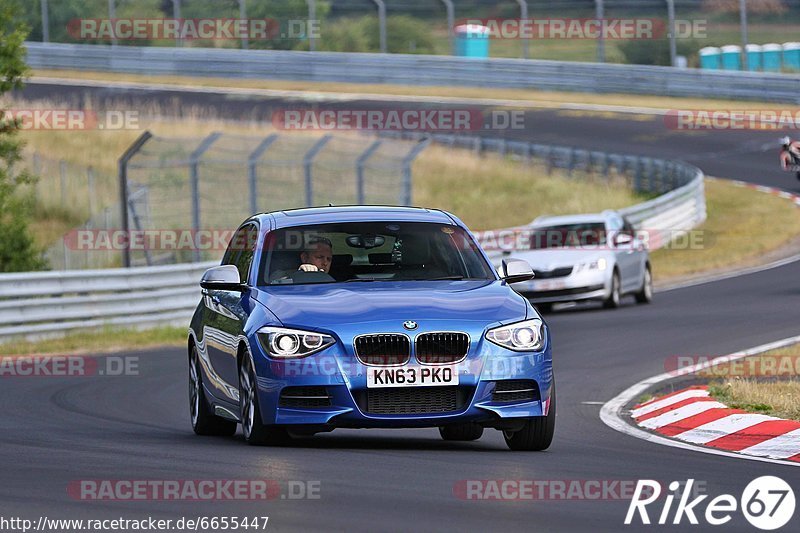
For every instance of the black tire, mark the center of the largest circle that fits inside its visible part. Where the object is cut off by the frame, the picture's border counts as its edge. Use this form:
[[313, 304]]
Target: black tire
[[798, 175], [462, 432], [645, 294], [537, 434], [204, 421], [613, 300], [255, 431]]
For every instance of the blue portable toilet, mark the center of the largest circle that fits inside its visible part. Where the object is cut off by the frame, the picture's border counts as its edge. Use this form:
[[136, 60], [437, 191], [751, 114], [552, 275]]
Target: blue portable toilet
[[791, 56], [472, 40], [771, 57], [754, 55], [710, 58], [732, 57]]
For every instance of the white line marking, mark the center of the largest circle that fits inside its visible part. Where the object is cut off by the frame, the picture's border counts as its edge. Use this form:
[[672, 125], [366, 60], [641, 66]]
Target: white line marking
[[780, 447], [722, 427], [681, 413], [611, 413], [660, 404]]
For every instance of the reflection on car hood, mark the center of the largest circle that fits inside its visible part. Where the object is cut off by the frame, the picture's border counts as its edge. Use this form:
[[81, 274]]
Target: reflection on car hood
[[329, 305], [552, 258]]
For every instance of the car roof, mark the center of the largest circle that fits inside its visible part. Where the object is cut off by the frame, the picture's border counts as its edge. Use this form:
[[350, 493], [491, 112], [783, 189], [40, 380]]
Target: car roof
[[355, 213], [598, 218]]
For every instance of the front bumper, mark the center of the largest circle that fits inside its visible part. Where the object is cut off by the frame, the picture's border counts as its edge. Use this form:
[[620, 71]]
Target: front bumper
[[343, 378]]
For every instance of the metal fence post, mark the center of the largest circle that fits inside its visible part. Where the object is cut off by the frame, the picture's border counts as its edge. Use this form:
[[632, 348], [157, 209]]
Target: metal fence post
[[308, 162], [243, 16], [252, 169], [743, 22], [90, 183], [312, 17], [523, 13], [45, 22], [673, 47], [123, 190], [176, 12], [62, 174], [112, 14], [360, 163], [601, 43], [637, 184], [405, 198], [194, 183], [451, 21], [382, 23]]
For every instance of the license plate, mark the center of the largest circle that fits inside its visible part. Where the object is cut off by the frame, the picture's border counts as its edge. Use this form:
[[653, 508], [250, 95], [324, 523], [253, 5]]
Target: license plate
[[412, 376], [549, 285]]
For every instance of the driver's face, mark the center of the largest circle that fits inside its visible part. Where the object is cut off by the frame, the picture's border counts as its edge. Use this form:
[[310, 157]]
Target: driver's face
[[320, 256]]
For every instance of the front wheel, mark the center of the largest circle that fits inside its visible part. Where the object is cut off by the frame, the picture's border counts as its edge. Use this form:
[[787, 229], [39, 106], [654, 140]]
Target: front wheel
[[537, 433], [255, 431], [204, 422], [645, 294], [612, 302], [461, 432]]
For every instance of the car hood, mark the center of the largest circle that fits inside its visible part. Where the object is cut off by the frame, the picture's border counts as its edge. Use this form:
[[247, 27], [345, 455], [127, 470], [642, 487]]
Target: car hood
[[328, 305], [552, 258]]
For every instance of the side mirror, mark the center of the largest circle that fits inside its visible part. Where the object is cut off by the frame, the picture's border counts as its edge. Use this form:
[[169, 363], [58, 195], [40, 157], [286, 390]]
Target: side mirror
[[622, 239], [515, 270], [222, 278]]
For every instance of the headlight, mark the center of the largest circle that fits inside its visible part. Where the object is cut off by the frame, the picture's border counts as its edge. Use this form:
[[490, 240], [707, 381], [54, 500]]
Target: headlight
[[526, 336], [597, 264], [286, 343]]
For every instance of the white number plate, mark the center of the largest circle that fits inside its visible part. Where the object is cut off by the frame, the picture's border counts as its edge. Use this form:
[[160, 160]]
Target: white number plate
[[412, 376], [548, 285]]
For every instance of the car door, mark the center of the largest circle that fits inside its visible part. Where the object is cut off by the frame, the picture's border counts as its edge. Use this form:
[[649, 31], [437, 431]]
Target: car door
[[227, 314]]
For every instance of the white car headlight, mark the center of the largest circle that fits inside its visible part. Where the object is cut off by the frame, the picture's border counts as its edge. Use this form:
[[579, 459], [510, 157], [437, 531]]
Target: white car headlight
[[598, 264], [284, 343], [526, 336]]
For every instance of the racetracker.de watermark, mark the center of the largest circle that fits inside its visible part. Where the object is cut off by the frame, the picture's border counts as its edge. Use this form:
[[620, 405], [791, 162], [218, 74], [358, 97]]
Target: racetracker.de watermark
[[612, 29], [71, 119], [192, 489], [732, 119], [133, 29], [550, 489], [526, 239], [68, 366], [439, 120], [709, 366]]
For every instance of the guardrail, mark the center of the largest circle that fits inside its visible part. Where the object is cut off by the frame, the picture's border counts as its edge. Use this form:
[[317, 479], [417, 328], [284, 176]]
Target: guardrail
[[417, 70], [40, 304]]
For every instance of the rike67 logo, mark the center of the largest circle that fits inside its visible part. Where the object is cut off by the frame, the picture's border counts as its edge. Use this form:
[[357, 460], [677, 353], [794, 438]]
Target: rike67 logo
[[767, 503]]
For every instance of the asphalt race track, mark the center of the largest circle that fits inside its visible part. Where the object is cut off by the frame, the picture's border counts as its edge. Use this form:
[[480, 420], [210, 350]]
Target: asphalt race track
[[55, 431]]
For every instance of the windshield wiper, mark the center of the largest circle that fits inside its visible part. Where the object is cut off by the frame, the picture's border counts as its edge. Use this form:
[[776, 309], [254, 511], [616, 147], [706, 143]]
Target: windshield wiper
[[354, 280]]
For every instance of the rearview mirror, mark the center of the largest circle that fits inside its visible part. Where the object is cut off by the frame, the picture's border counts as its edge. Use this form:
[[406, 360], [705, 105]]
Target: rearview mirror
[[623, 239], [222, 278], [515, 270]]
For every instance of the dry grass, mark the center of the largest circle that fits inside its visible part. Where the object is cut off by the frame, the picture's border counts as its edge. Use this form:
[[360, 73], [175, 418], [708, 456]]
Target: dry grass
[[104, 341], [490, 191], [742, 226], [774, 398], [524, 96]]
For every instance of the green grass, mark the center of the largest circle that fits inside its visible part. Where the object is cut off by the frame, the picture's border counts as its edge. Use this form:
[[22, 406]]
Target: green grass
[[773, 398]]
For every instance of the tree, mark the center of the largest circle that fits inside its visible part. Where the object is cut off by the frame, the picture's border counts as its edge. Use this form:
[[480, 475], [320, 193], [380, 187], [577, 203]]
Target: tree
[[18, 251]]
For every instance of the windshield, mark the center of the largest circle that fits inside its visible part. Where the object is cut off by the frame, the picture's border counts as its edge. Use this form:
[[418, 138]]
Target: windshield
[[569, 236], [371, 251]]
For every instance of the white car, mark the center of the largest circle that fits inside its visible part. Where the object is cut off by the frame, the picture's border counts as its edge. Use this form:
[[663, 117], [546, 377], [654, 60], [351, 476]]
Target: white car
[[585, 257]]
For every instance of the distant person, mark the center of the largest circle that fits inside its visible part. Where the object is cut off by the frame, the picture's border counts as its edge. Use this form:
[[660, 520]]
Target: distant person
[[790, 153]]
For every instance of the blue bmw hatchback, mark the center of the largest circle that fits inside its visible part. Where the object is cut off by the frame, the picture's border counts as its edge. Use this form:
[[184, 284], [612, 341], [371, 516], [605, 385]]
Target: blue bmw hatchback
[[367, 317]]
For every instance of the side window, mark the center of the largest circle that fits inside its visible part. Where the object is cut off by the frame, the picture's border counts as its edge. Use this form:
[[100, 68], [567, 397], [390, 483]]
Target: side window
[[241, 250], [627, 227]]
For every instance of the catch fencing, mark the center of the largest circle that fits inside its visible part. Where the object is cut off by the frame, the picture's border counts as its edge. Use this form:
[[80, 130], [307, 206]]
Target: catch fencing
[[41, 304]]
